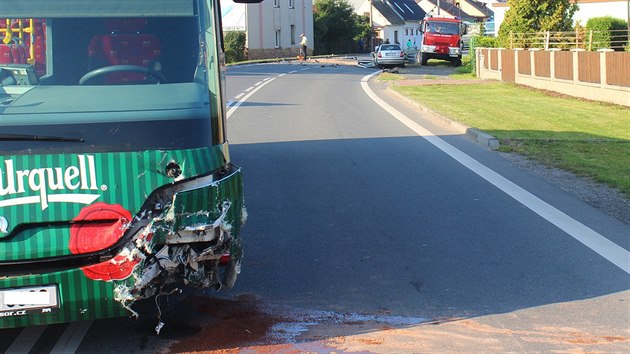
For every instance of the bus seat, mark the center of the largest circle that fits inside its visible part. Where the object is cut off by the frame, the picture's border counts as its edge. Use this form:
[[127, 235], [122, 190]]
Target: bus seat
[[19, 51], [6, 54], [39, 46], [124, 45]]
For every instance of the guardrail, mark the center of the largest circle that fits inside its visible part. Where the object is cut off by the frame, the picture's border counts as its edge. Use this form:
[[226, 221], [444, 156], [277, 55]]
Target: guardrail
[[603, 75]]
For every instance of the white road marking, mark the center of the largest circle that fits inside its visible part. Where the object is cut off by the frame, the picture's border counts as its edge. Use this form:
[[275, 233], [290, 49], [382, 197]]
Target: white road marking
[[264, 82], [233, 108], [25, 341], [72, 337], [258, 83], [239, 95], [590, 238], [229, 103]]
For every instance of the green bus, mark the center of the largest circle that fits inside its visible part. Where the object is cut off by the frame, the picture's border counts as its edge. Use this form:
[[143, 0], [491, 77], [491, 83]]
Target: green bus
[[116, 183]]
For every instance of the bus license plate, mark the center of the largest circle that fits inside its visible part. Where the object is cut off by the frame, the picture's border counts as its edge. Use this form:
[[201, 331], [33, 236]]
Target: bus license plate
[[29, 298]]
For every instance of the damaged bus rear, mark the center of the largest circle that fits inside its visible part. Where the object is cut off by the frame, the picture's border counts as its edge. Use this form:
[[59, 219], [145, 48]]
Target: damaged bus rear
[[115, 177]]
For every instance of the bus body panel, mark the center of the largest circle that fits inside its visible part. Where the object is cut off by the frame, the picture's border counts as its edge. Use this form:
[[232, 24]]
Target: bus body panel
[[115, 177]]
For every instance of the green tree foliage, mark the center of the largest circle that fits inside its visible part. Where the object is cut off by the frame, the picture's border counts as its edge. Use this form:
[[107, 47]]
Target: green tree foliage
[[608, 32], [527, 16], [234, 42], [337, 28]]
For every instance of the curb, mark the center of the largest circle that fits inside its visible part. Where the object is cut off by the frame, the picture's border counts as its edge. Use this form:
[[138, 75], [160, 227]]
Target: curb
[[474, 134]]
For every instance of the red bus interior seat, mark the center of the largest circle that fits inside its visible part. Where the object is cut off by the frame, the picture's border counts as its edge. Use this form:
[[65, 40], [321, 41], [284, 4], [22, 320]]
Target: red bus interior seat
[[124, 45]]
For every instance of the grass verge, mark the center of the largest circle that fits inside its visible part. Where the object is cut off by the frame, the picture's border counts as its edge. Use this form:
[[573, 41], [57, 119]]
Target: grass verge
[[588, 138]]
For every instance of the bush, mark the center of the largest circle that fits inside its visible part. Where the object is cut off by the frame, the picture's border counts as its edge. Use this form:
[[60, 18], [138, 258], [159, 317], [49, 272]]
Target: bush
[[608, 32], [234, 46], [485, 42]]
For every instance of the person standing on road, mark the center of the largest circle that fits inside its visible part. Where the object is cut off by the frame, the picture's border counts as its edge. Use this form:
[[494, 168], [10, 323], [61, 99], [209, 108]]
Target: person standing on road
[[303, 44]]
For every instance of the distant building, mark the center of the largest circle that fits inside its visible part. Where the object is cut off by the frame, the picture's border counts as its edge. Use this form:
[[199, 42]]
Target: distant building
[[395, 20], [467, 10], [272, 27]]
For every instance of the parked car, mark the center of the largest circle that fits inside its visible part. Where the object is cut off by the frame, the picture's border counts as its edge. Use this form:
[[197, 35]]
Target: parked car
[[389, 54]]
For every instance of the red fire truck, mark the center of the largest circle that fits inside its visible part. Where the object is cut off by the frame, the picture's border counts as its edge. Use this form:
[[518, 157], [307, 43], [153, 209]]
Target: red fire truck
[[441, 39]]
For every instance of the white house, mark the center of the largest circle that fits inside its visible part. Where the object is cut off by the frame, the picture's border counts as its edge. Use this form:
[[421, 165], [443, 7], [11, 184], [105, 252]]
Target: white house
[[273, 27], [395, 20]]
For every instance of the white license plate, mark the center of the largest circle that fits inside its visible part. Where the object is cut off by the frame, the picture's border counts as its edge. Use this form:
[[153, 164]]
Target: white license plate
[[390, 54], [29, 298]]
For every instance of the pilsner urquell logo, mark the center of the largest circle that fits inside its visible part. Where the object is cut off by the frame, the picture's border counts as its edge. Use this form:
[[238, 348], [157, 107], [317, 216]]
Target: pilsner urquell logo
[[49, 183]]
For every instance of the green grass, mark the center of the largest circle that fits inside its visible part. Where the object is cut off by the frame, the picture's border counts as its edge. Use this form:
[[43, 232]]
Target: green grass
[[588, 138]]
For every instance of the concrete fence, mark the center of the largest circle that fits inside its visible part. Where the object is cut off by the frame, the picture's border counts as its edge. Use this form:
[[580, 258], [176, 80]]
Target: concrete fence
[[603, 75]]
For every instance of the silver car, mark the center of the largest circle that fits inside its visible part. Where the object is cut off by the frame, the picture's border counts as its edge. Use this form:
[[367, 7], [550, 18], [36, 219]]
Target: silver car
[[389, 54]]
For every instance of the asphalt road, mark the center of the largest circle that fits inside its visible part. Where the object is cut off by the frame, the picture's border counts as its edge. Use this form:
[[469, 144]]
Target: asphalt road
[[366, 234]]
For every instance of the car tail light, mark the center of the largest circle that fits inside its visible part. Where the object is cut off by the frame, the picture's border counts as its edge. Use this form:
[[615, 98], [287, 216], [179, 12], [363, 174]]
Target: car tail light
[[402, 54], [380, 55]]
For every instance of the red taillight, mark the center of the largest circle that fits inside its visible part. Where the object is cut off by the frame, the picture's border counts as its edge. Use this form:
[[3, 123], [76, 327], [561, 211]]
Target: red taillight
[[380, 55], [402, 54], [225, 258]]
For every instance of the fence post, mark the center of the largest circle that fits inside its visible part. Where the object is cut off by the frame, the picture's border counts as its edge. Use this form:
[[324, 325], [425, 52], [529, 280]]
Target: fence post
[[511, 40], [577, 36], [547, 40], [603, 66], [576, 65], [590, 40]]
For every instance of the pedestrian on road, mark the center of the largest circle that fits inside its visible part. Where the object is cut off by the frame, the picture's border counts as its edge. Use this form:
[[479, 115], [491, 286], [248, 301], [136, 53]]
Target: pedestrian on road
[[303, 45], [409, 44]]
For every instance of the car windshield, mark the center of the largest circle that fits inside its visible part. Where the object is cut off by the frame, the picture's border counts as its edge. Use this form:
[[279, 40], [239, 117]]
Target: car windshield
[[390, 47]]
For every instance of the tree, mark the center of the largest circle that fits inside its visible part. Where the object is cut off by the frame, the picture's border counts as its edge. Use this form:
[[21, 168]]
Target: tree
[[526, 16], [234, 46], [336, 27]]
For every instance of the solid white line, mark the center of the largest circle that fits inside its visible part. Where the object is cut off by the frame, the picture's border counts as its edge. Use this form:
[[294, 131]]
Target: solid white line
[[590, 238], [233, 108], [72, 337], [25, 341]]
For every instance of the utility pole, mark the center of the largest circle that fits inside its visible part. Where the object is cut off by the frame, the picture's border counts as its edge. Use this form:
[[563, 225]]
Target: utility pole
[[372, 29]]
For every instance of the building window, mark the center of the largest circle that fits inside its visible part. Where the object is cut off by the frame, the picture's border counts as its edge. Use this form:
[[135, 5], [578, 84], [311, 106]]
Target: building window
[[396, 37], [276, 3], [292, 4], [277, 38], [292, 34]]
